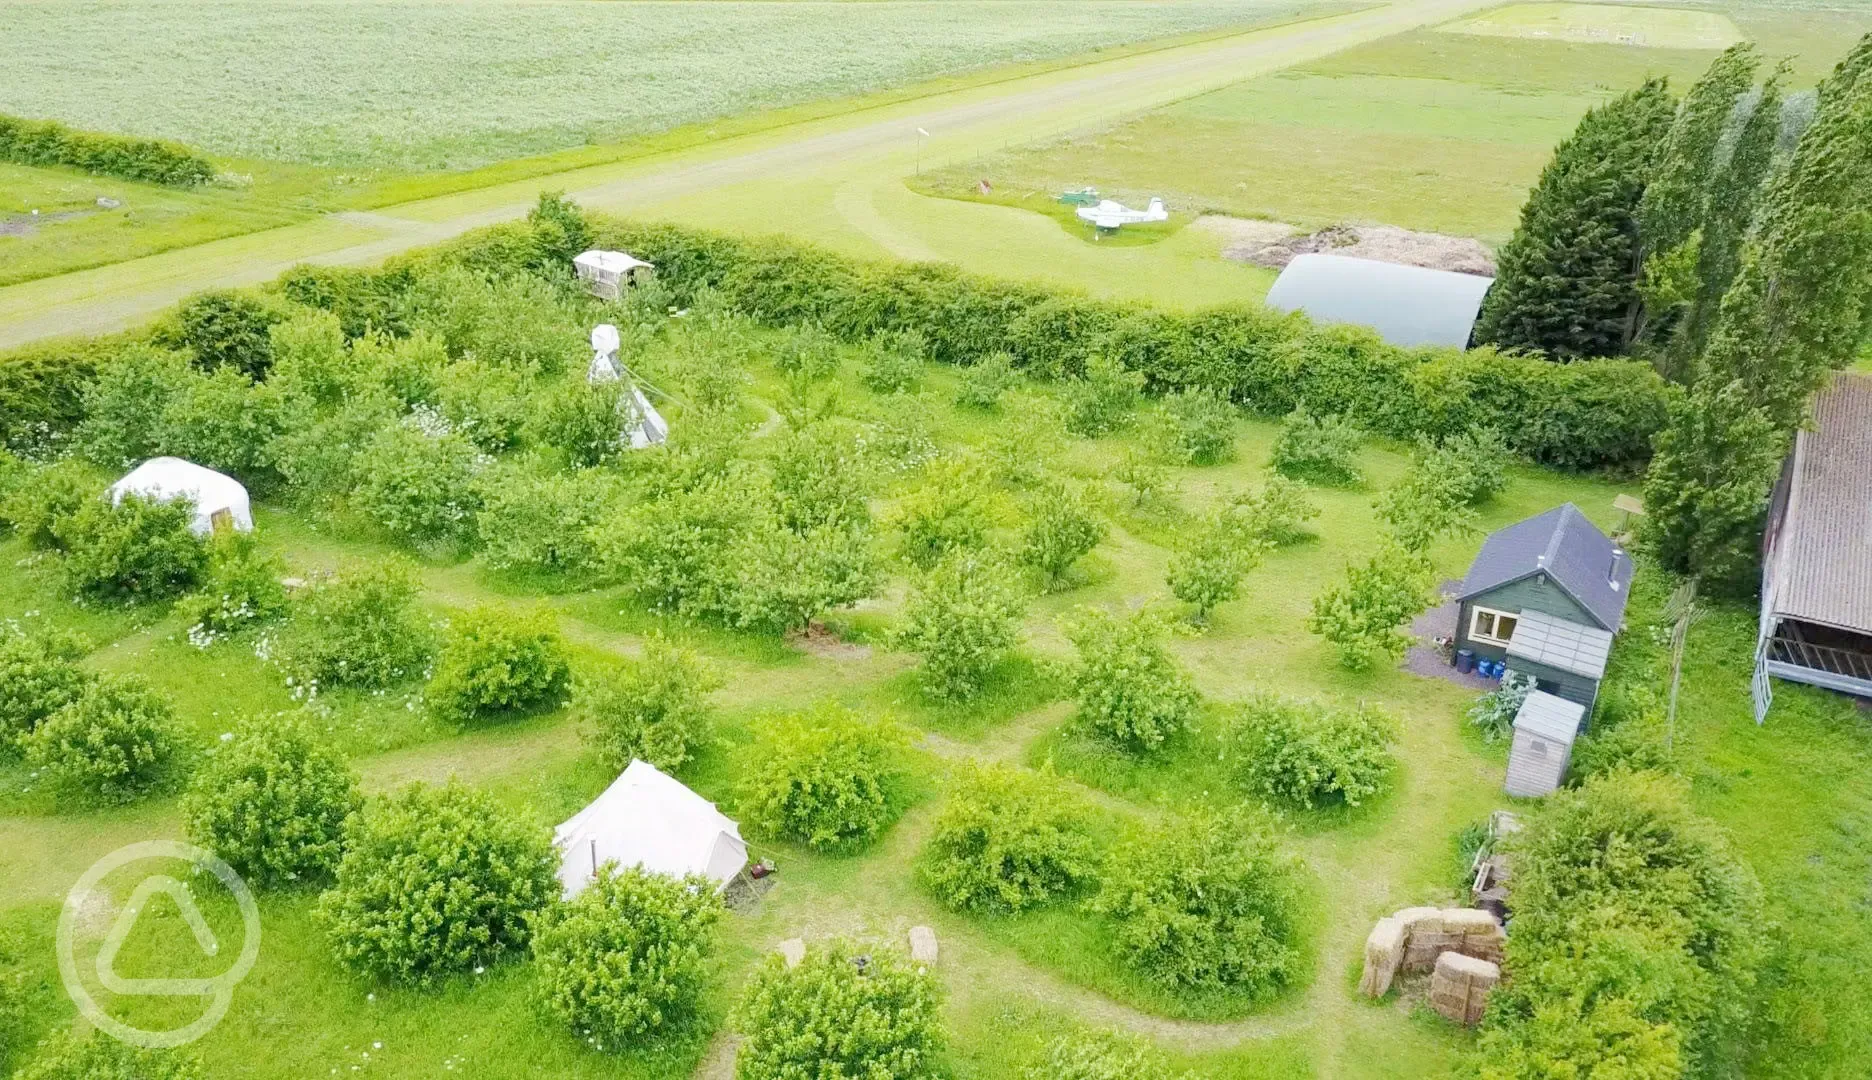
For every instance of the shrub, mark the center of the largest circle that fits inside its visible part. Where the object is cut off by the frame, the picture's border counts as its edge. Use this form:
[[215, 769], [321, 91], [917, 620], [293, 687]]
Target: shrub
[[1323, 449], [962, 619], [536, 520], [40, 502], [225, 328], [841, 1013], [1199, 427], [1007, 840], [124, 404], [418, 487], [985, 381], [653, 709], [623, 961], [582, 421], [112, 743], [1150, 483], [1364, 615], [1060, 529], [100, 1057], [669, 550], [818, 478], [1207, 567], [1473, 463], [1443, 483], [1102, 1055], [494, 661], [894, 362], [436, 880], [808, 352], [1276, 512], [1206, 905], [1307, 754], [39, 675], [139, 549], [222, 420], [241, 588], [781, 580], [952, 510], [1023, 445], [42, 392], [360, 629], [1101, 401], [272, 803], [827, 777], [48, 142], [1494, 712], [1130, 691]]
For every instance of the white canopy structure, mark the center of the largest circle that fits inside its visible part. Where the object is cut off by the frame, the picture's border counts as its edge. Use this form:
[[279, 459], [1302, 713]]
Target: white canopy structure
[[1110, 214], [606, 273], [643, 425], [605, 343], [650, 819], [220, 500]]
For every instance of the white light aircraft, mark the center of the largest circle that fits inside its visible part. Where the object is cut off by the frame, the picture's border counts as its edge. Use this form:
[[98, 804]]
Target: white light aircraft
[[1110, 214]]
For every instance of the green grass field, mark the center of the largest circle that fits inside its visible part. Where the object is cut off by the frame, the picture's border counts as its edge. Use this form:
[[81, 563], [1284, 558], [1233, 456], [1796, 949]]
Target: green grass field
[[1431, 130], [1650, 27]]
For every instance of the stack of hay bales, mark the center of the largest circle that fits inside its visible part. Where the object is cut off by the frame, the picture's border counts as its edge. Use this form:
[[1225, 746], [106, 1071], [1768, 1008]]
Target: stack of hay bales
[[1415, 939], [1459, 988]]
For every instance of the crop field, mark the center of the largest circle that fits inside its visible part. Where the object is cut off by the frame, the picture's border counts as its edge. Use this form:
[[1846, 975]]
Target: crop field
[[399, 84], [1431, 130], [1604, 24]]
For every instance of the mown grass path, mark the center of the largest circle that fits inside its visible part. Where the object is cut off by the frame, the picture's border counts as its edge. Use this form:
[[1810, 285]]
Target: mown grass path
[[837, 180]]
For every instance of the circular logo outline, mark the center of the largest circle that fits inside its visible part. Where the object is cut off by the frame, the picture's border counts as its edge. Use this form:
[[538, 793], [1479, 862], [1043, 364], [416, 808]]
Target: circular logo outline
[[219, 989]]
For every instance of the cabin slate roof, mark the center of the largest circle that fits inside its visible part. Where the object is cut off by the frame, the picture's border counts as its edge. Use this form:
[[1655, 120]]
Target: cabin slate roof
[[1566, 547], [1823, 555]]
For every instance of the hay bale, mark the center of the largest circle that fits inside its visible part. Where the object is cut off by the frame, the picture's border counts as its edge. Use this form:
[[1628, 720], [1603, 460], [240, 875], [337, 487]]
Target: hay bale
[[1469, 921], [1384, 951], [1419, 920], [923, 945], [1460, 986]]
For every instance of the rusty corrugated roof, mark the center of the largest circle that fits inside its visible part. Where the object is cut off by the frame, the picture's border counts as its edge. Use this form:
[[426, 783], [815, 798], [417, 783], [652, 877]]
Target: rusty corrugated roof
[[1823, 556]]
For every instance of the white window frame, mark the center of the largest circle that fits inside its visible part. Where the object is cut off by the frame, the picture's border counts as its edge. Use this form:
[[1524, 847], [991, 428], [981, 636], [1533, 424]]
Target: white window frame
[[1496, 615]]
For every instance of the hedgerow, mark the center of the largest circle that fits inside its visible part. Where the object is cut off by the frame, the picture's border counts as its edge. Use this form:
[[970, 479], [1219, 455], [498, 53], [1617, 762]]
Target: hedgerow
[[47, 142]]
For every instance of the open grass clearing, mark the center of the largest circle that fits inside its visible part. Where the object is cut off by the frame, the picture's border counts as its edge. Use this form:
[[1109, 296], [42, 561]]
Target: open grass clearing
[[1621, 24]]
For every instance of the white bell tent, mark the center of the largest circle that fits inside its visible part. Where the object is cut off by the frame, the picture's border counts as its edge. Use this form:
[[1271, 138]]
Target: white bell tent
[[219, 500], [650, 819], [643, 426]]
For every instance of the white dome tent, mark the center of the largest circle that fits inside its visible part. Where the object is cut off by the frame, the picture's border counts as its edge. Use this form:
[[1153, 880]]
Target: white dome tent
[[220, 500], [650, 819]]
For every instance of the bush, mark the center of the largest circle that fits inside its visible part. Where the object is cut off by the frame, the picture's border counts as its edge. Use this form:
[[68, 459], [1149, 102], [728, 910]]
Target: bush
[[1060, 530], [1207, 567], [1130, 691], [894, 363], [624, 960], [985, 381], [818, 478], [1199, 427], [1276, 512], [827, 777], [225, 328], [100, 1057], [418, 487], [47, 142], [272, 803], [1443, 483], [1102, 1055], [42, 392], [962, 619], [114, 742], [530, 519], [1150, 483], [1206, 905], [1007, 840], [841, 1013], [360, 629], [952, 510], [139, 549], [1364, 616], [436, 880], [1495, 711], [582, 421], [241, 589], [1307, 754], [807, 352], [124, 403], [494, 661], [1323, 449], [223, 421], [40, 502], [39, 675], [652, 709], [1101, 401], [782, 580]]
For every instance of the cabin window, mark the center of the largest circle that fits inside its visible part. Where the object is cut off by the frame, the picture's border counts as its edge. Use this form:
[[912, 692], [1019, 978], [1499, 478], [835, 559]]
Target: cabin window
[[1487, 624]]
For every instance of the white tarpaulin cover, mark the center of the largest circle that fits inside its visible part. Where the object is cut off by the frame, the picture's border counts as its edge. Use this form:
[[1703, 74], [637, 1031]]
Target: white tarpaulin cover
[[167, 478], [648, 428], [607, 262], [605, 344], [650, 819]]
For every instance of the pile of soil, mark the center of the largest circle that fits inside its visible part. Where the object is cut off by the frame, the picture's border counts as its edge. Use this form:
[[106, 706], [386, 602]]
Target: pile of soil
[[1274, 244]]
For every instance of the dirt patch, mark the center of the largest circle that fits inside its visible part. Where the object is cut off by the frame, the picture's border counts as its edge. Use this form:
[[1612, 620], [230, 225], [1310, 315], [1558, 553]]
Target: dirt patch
[[1273, 244], [27, 224], [818, 640]]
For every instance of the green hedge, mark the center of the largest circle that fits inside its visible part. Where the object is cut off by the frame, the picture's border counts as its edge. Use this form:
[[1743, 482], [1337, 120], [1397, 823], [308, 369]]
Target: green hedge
[[1583, 415], [41, 390], [47, 142]]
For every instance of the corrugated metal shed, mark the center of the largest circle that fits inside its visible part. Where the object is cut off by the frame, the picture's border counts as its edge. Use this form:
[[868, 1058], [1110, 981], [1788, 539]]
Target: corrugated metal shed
[[1561, 643], [1823, 556], [1407, 305], [1552, 718], [1566, 547]]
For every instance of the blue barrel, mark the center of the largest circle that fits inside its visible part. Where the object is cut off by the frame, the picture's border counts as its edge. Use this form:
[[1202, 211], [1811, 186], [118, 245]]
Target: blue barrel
[[1465, 660]]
